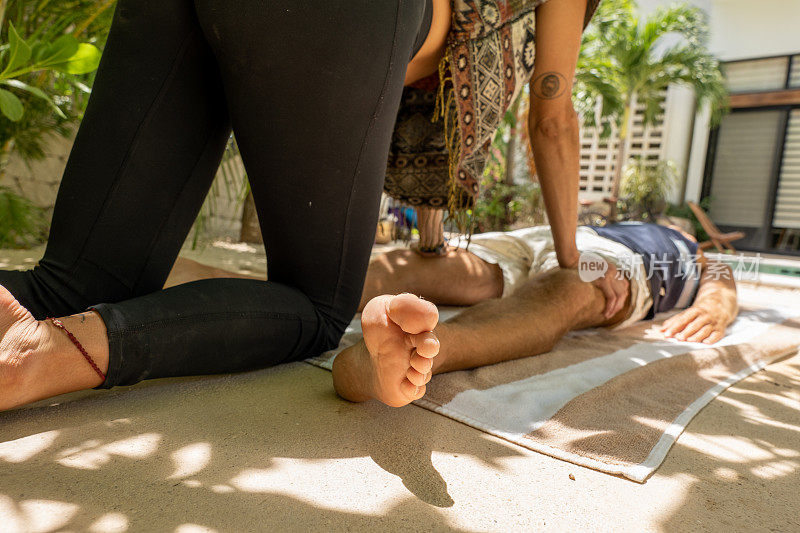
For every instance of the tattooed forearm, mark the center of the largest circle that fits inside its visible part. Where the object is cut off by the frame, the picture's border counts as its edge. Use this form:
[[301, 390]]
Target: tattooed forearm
[[549, 85]]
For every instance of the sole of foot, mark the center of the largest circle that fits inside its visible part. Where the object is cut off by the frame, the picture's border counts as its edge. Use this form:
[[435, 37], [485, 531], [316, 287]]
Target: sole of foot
[[21, 339], [393, 362]]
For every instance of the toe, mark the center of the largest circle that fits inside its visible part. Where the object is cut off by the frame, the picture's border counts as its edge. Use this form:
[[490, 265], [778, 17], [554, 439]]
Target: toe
[[427, 344], [416, 378], [421, 364], [420, 392], [411, 391], [412, 314]]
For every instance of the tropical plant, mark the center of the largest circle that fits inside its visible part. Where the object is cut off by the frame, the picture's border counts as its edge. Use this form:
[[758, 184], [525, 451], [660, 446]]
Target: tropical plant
[[48, 21], [46, 67], [684, 211], [20, 220], [49, 52], [645, 186], [503, 203], [231, 180], [20, 58], [627, 59], [87, 20]]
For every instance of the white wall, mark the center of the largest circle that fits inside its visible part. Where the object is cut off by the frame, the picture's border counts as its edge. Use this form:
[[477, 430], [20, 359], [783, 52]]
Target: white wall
[[697, 158], [678, 122], [39, 181], [742, 29]]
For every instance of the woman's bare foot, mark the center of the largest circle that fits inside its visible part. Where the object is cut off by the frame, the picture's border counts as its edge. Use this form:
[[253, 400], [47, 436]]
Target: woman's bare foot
[[21, 338], [38, 361], [393, 362]]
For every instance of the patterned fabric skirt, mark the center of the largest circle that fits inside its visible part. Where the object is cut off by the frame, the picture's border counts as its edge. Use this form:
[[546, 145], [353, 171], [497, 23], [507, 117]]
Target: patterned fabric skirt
[[417, 171]]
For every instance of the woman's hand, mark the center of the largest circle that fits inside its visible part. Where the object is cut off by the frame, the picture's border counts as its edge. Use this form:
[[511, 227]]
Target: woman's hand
[[695, 324], [615, 288]]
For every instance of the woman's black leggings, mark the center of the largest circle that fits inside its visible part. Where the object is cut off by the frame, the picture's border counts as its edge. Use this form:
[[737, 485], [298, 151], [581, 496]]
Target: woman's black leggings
[[311, 88]]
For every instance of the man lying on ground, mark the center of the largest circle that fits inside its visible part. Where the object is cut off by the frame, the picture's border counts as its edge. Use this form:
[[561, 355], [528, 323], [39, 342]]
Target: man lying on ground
[[521, 302]]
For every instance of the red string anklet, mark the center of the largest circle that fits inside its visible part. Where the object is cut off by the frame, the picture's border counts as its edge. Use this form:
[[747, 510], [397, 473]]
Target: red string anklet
[[60, 325]]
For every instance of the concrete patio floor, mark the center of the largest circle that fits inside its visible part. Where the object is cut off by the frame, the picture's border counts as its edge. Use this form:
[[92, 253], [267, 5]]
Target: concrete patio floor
[[276, 449]]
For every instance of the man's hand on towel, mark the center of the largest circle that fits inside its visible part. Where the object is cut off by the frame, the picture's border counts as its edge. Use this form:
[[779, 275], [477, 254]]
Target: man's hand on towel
[[695, 324]]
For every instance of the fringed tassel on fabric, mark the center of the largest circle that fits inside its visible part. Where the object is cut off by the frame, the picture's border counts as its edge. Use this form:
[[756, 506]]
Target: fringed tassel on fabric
[[459, 201]]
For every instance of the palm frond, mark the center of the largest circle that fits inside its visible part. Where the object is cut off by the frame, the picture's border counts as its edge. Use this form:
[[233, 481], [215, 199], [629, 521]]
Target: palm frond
[[596, 98], [690, 22], [629, 56]]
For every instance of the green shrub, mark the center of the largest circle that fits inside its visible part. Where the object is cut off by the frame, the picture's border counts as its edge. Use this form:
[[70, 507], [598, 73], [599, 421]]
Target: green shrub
[[684, 211], [21, 222], [645, 186]]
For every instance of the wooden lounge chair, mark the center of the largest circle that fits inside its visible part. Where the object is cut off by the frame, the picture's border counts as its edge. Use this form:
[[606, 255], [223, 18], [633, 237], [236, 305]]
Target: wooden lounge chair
[[721, 241]]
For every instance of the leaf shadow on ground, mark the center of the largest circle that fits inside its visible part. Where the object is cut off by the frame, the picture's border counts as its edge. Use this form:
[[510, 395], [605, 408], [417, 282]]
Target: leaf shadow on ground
[[743, 477], [275, 449], [219, 452]]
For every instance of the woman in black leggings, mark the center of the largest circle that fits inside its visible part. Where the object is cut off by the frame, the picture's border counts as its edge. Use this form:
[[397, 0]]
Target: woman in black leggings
[[311, 89]]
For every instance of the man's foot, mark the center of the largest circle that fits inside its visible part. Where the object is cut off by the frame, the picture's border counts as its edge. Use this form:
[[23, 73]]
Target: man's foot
[[393, 362]]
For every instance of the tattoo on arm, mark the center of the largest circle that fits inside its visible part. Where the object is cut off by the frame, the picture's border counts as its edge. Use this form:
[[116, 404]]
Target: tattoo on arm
[[83, 318], [549, 85]]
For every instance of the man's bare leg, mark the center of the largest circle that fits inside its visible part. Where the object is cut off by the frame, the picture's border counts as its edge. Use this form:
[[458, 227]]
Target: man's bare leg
[[398, 354], [459, 278], [529, 322], [551, 304]]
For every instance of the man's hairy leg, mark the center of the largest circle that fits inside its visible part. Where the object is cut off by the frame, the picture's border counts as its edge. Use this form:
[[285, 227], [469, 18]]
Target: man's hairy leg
[[529, 322], [458, 278]]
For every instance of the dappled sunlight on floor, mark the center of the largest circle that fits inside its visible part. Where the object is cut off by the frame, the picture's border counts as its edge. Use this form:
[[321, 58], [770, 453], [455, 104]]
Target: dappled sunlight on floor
[[191, 459], [320, 482], [35, 516], [11, 259], [22, 449], [92, 454], [745, 450], [276, 448], [232, 451], [110, 523]]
